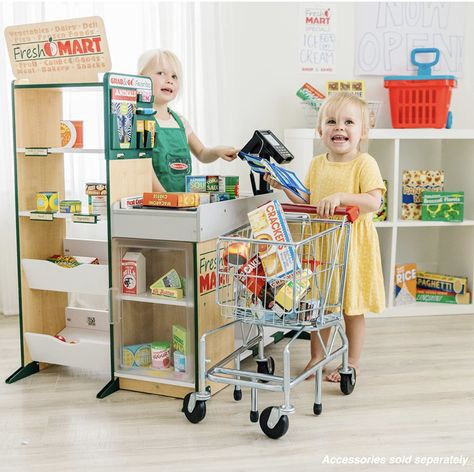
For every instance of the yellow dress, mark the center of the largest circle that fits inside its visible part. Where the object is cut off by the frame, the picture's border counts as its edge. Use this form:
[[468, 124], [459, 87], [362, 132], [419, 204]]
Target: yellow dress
[[364, 290]]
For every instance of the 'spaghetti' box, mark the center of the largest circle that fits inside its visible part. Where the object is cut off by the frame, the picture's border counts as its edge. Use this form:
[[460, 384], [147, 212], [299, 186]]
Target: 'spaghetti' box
[[441, 282], [442, 206]]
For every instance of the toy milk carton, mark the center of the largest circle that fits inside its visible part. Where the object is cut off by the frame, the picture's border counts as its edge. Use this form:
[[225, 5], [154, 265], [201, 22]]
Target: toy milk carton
[[405, 284], [133, 273]]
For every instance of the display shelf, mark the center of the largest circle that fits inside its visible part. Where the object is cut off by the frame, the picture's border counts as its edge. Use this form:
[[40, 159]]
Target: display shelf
[[90, 351], [64, 216], [167, 377], [443, 247], [149, 298], [85, 278], [60, 150]]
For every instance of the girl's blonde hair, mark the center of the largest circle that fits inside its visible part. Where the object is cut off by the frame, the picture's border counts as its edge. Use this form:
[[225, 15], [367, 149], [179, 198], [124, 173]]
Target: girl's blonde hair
[[153, 57], [334, 103]]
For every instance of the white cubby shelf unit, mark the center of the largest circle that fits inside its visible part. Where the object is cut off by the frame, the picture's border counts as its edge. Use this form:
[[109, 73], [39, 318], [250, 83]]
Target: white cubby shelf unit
[[434, 246]]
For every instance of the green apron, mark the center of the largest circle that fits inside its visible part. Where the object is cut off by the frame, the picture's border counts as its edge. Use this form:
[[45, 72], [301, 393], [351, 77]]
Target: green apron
[[171, 156]]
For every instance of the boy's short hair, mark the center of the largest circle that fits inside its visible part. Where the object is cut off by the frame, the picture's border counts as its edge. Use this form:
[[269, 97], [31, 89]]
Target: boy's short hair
[[337, 101], [153, 57]]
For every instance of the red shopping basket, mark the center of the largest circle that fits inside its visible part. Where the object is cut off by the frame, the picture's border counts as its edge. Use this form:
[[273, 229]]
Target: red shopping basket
[[421, 101]]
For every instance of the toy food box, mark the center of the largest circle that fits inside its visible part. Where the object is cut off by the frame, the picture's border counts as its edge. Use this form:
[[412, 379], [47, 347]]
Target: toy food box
[[441, 282], [133, 273], [442, 206], [173, 199], [269, 224], [405, 284], [414, 183], [434, 296]]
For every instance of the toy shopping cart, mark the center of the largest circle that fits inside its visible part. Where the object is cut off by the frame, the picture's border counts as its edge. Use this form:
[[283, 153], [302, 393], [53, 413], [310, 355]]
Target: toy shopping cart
[[305, 299], [421, 101]]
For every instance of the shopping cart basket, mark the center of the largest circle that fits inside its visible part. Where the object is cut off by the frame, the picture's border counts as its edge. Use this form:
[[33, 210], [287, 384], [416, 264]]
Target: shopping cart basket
[[421, 101], [306, 300]]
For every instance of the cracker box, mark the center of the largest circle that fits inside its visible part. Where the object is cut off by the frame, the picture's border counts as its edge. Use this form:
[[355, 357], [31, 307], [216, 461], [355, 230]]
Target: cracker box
[[442, 206], [414, 183], [96, 188], [171, 200], [405, 284], [381, 213], [133, 273], [269, 224], [441, 282]]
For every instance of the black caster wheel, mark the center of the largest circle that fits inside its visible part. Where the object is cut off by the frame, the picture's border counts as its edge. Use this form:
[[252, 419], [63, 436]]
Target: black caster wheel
[[199, 411], [237, 395], [317, 408], [266, 366], [254, 416], [348, 382], [279, 429]]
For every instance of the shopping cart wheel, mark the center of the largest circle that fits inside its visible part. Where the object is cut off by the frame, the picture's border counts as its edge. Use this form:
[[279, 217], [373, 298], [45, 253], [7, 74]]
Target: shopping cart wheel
[[273, 431], [449, 121], [348, 382], [237, 394], [317, 408], [254, 416], [195, 410], [266, 366]]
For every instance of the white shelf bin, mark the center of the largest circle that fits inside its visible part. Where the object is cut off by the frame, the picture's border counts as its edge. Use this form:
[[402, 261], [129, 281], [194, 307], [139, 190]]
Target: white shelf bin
[[85, 278], [91, 350]]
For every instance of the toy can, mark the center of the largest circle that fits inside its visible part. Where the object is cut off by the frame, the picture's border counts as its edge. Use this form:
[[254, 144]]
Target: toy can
[[236, 253], [72, 134], [47, 201], [160, 355]]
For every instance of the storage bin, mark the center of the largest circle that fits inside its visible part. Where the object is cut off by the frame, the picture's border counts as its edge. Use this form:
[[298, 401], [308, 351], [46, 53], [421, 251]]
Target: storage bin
[[421, 101]]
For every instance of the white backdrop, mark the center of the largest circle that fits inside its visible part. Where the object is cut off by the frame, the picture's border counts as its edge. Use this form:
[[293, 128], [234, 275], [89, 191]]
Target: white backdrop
[[241, 74]]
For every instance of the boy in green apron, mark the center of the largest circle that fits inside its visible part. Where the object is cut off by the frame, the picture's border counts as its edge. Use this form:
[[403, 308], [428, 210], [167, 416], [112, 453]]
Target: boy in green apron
[[175, 139]]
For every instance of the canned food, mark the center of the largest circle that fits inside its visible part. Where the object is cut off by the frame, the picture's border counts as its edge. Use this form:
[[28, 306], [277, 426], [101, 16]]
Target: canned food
[[160, 355], [236, 253], [47, 201]]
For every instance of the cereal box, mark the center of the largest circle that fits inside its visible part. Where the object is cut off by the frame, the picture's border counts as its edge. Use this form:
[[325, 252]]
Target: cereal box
[[269, 224], [405, 284], [414, 183], [442, 206]]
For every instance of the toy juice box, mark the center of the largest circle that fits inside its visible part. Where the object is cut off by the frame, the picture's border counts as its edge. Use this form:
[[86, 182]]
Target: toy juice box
[[442, 206], [441, 282], [434, 296], [269, 224], [195, 183], [179, 337], [381, 213], [171, 200], [414, 183], [136, 355], [133, 273], [405, 284]]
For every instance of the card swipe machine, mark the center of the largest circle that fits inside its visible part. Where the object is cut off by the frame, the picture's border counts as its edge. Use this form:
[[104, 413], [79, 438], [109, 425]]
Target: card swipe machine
[[267, 146]]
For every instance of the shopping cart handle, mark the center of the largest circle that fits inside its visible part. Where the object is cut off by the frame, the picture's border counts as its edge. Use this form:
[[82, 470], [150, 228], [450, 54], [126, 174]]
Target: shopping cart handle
[[352, 212]]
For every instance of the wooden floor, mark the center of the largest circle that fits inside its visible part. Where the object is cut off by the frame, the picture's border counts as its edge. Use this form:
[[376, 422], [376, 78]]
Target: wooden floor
[[413, 399]]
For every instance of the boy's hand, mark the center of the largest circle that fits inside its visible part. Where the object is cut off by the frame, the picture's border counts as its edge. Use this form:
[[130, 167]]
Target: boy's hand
[[273, 183], [327, 206], [227, 153]]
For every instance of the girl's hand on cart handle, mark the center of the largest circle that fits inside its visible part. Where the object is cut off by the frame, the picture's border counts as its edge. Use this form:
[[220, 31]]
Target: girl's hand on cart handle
[[327, 206], [352, 212]]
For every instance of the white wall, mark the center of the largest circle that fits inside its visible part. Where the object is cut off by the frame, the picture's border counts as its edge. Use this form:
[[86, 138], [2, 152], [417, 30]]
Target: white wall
[[260, 44]]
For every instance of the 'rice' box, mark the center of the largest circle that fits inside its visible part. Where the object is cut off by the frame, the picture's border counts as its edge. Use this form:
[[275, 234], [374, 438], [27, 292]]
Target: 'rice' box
[[414, 183], [268, 223], [442, 206], [405, 284], [133, 273]]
